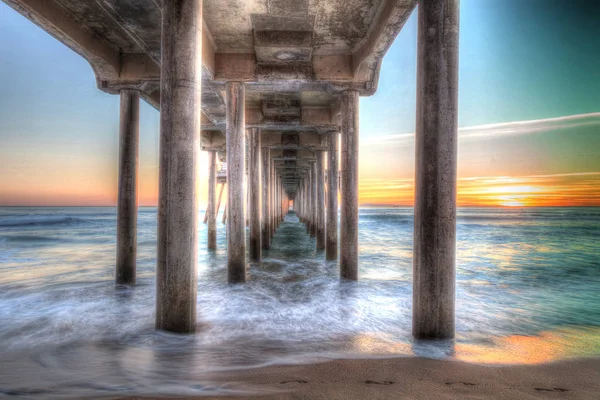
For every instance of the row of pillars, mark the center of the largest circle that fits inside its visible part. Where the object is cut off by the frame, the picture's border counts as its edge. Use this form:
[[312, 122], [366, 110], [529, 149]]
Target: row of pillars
[[177, 257], [267, 203], [320, 217]]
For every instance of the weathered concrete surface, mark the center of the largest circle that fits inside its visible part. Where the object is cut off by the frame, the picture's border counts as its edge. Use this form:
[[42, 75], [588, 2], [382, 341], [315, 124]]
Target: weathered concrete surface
[[331, 244], [309, 201], [177, 243], [236, 220], [266, 199], [349, 209], [273, 199], [320, 201], [434, 255], [212, 209], [313, 200], [254, 189], [127, 207]]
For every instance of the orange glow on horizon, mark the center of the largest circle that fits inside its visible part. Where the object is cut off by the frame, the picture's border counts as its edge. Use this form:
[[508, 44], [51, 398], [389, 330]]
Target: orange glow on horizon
[[496, 191]]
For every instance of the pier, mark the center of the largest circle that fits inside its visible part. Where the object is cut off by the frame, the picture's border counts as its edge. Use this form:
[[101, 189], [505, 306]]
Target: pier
[[270, 89]]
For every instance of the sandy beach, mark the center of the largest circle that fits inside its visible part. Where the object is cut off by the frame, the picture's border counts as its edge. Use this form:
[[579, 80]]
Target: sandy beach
[[415, 378]]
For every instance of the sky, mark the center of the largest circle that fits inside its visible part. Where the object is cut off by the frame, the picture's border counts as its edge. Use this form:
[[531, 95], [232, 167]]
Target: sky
[[529, 114]]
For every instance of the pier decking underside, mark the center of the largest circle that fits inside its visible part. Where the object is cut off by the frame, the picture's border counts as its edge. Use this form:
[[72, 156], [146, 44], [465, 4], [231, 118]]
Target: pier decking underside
[[294, 56]]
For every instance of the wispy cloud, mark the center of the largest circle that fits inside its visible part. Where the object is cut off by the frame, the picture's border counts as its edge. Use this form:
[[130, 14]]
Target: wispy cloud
[[492, 131]]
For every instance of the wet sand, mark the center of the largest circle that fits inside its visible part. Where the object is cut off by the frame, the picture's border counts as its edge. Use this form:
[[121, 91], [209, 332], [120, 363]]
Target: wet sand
[[414, 378]]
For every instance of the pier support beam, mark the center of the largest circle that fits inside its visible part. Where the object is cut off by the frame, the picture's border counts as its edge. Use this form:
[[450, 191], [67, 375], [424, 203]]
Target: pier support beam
[[332, 197], [177, 248], [254, 189], [211, 209], [127, 208], [236, 220], [266, 199], [320, 201], [349, 209], [311, 201], [435, 174], [273, 202]]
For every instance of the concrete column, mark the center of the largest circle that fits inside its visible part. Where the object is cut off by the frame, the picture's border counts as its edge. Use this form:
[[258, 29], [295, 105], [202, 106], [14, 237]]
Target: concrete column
[[276, 200], [320, 201], [315, 205], [300, 202], [273, 186], [309, 201], [434, 258], [177, 241], [236, 220], [280, 209], [266, 199], [349, 209], [306, 199], [211, 209], [332, 197], [129, 133], [254, 189]]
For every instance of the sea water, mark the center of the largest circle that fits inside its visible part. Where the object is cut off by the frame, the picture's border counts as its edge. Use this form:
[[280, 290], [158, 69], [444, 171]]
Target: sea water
[[528, 291]]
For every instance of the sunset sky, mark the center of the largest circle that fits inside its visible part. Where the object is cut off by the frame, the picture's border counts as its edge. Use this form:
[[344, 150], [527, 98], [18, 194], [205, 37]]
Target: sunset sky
[[529, 114]]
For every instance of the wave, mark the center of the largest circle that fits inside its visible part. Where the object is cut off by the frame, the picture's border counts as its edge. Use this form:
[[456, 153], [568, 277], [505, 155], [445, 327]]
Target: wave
[[31, 220]]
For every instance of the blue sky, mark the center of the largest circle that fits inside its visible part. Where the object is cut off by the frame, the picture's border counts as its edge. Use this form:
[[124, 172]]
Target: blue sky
[[519, 60]]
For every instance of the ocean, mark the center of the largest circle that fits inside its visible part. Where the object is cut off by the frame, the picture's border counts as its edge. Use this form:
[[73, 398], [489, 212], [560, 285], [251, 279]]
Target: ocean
[[528, 291]]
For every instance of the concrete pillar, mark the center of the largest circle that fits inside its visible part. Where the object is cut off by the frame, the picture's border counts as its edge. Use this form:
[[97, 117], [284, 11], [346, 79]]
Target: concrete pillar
[[434, 258], [300, 201], [275, 206], [332, 197], [309, 201], [266, 199], [306, 200], [320, 201], [177, 241], [280, 209], [349, 209], [129, 132], [254, 189], [211, 209], [278, 201], [236, 220], [315, 205], [273, 186]]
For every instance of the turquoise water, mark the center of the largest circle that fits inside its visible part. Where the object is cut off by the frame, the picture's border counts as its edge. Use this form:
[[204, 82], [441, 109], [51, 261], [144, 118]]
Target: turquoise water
[[528, 291]]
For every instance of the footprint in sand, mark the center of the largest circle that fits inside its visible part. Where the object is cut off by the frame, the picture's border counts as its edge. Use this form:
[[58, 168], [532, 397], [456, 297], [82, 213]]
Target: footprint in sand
[[369, 382], [551, 390], [462, 383]]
